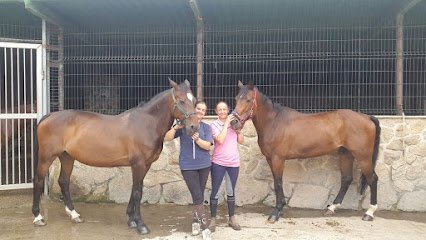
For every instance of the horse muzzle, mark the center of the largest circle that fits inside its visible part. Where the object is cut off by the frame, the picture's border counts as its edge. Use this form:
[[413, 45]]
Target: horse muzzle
[[236, 124], [190, 128]]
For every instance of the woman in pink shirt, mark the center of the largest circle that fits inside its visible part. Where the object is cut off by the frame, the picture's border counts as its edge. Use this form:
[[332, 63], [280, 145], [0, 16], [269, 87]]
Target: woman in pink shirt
[[225, 159]]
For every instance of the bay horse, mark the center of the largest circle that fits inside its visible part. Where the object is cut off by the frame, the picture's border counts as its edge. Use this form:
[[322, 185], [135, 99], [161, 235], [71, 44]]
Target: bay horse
[[284, 133], [133, 138]]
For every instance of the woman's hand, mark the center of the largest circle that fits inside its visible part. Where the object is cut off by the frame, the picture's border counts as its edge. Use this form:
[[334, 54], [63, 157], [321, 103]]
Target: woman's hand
[[178, 126], [229, 119], [196, 136]]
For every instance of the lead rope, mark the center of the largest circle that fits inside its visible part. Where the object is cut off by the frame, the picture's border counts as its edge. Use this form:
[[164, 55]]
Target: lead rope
[[193, 149]]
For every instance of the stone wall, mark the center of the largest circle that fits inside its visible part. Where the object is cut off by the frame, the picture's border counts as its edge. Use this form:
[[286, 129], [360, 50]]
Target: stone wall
[[308, 183]]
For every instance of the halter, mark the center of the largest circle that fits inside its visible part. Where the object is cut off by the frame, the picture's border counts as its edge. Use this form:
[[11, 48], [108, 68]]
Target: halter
[[248, 115], [180, 108]]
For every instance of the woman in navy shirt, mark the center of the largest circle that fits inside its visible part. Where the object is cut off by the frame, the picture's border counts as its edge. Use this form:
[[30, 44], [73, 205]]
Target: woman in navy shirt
[[194, 162]]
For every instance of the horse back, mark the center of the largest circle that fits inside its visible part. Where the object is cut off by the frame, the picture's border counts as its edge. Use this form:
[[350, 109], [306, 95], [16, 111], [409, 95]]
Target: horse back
[[298, 135]]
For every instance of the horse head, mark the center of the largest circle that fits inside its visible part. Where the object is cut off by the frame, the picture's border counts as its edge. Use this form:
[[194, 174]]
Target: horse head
[[245, 105], [184, 106]]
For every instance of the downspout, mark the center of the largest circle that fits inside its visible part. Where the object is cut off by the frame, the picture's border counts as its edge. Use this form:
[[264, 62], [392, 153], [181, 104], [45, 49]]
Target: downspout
[[200, 47], [400, 56]]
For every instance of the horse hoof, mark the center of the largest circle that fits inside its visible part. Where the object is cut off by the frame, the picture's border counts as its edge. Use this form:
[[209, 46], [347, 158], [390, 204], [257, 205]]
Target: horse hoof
[[132, 224], [272, 219], [367, 218], [40, 223], [77, 220], [143, 229], [328, 212]]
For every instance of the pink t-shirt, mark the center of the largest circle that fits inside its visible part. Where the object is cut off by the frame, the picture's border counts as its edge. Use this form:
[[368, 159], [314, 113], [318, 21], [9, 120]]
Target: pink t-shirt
[[225, 154]]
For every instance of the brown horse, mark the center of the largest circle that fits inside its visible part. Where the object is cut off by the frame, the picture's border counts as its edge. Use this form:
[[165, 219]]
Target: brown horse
[[133, 138], [284, 133]]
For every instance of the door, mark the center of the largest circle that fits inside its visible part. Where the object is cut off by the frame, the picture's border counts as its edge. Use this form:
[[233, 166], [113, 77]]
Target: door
[[20, 108]]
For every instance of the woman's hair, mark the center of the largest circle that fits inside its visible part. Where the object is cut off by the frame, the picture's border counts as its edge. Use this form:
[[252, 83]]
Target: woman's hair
[[201, 102], [220, 103]]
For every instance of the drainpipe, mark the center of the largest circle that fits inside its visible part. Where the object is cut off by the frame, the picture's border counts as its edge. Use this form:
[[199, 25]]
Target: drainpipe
[[200, 47], [400, 56]]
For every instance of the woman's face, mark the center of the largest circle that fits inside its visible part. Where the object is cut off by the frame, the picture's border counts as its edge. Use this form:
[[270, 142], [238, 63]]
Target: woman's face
[[201, 109], [222, 110]]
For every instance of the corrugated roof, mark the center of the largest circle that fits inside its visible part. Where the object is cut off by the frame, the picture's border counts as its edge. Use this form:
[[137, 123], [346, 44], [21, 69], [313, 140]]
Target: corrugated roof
[[230, 12]]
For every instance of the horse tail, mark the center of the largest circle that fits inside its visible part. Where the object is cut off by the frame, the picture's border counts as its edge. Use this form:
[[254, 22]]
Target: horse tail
[[363, 181], [35, 141]]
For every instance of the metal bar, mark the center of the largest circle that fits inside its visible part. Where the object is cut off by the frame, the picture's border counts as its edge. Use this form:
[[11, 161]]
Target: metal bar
[[399, 64], [25, 122], [15, 40], [19, 45], [18, 135], [18, 116], [61, 80], [45, 42], [41, 96], [16, 186], [200, 47]]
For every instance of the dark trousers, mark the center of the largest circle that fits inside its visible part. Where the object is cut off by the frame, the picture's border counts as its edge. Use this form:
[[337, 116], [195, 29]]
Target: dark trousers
[[218, 172], [196, 181]]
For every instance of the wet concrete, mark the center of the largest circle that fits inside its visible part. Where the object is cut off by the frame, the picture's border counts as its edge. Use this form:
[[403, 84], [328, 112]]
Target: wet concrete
[[109, 221]]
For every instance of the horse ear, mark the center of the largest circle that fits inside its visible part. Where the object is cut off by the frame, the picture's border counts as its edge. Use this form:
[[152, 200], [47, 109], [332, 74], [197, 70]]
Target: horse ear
[[187, 83], [172, 83], [240, 84], [250, 86]]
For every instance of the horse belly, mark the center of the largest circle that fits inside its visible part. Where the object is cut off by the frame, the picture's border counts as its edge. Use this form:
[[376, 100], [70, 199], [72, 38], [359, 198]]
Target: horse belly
[[303, 146], [98, 153]]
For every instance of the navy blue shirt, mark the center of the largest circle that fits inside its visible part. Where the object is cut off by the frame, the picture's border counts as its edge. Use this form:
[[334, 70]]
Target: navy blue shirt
[[202, 156]]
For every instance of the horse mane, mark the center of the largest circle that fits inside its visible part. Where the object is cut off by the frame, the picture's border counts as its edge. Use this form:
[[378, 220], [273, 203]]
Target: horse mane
[[279, 110], [152, 104], [278, 107]]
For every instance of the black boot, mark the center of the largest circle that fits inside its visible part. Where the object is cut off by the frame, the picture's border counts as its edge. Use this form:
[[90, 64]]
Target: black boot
[[213, 212], [231, 211]]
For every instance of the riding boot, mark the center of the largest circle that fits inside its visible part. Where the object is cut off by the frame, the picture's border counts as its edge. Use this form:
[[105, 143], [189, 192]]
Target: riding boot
[[212, 225], [213, 212], [233, 223], [231, 211], [200, 214]]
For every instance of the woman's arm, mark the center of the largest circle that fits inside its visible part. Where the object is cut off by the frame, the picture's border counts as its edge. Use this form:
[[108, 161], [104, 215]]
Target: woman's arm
[[203, 144], [170, 135], [220, 138]]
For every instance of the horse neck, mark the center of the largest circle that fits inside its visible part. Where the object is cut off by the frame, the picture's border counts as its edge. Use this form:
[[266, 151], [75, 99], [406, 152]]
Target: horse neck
[[264, 113], [161, 108]]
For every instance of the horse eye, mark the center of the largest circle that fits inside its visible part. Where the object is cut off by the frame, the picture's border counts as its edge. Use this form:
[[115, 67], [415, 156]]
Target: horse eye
[[182, 101]]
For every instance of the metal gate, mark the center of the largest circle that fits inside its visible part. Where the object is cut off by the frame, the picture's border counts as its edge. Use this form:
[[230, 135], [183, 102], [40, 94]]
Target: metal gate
[[21, 96]]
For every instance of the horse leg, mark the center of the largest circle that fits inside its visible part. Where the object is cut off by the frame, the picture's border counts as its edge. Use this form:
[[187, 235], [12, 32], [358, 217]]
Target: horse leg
[[131, 211], [346, 166], [277, 167], [368, 172], [139, 170], [43, 164], [67, 164]]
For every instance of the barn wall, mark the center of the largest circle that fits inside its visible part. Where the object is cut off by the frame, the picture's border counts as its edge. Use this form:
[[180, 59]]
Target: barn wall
[[401, 168]]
